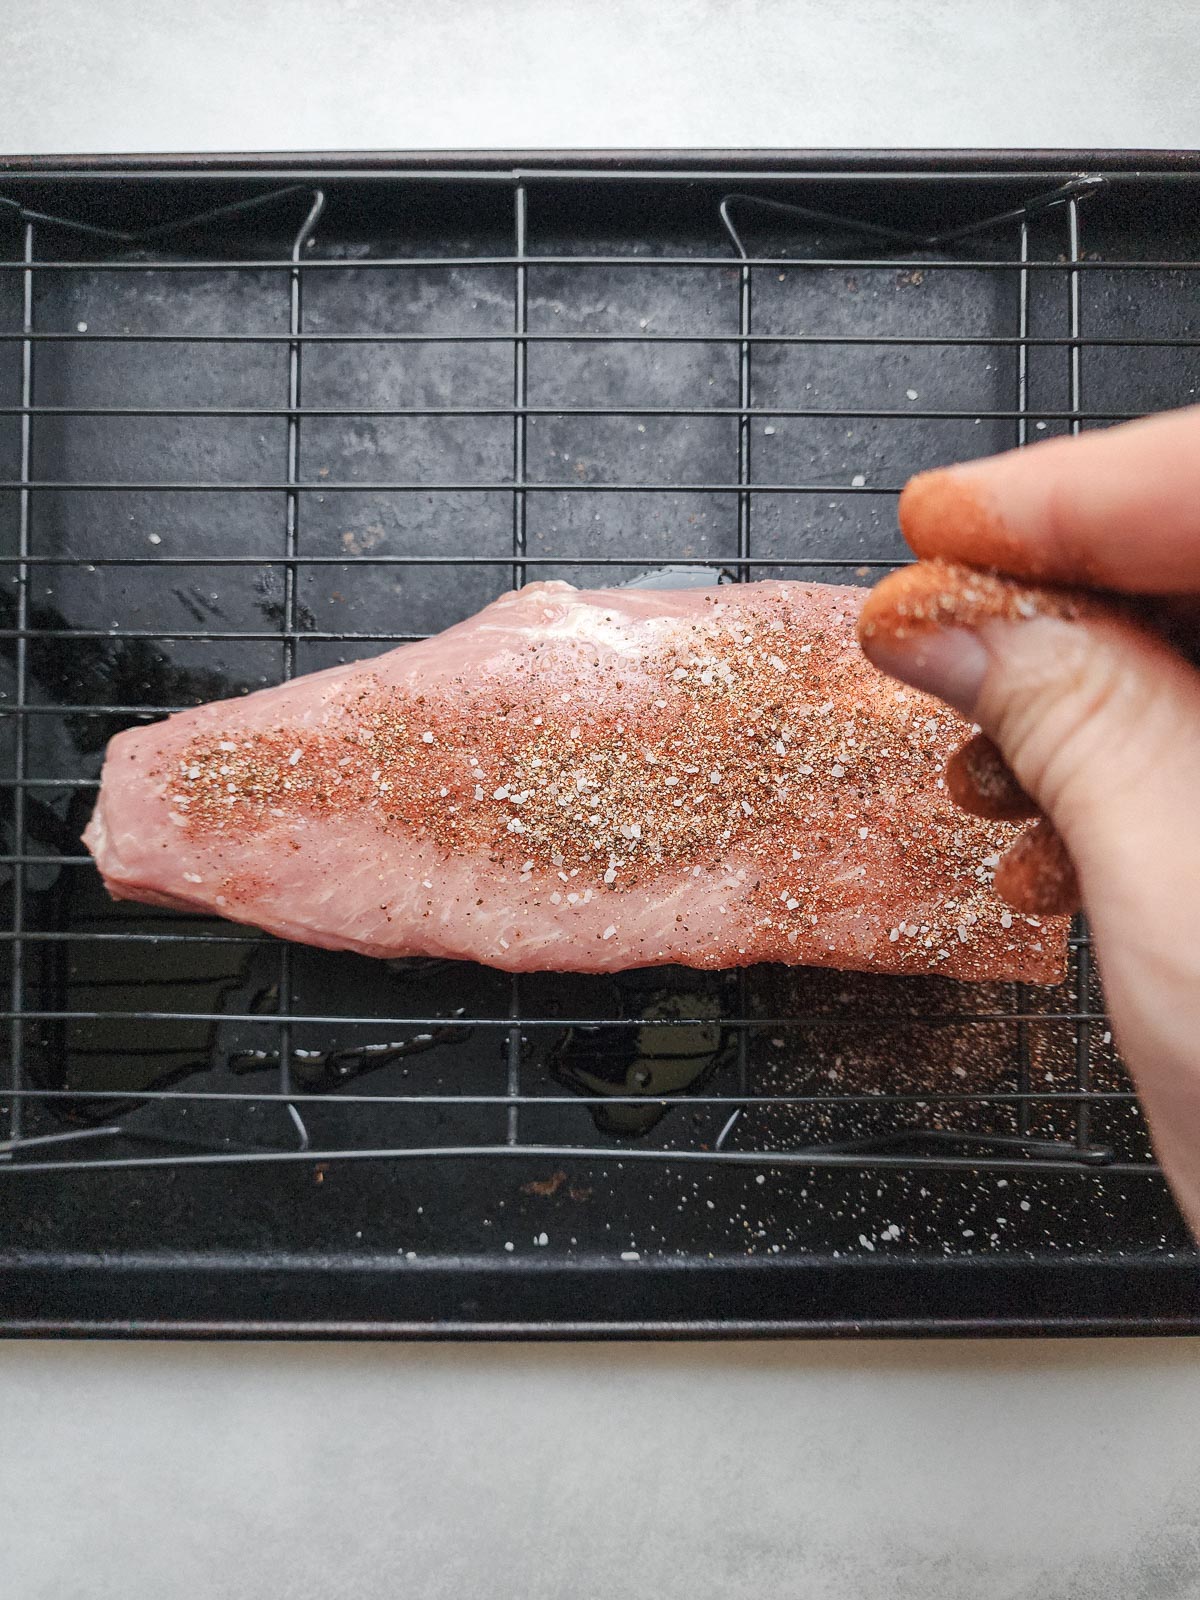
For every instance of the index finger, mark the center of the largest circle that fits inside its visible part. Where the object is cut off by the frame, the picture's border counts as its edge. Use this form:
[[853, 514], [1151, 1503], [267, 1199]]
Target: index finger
[[1112, 509]]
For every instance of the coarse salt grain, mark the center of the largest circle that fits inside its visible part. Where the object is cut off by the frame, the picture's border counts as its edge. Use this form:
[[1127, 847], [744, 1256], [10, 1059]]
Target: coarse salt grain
[[608, 932], [426, 738], [753, 782]]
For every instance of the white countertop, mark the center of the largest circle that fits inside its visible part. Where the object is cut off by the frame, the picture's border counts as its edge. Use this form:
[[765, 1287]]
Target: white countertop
[[1000, 1471], [93, 75], [1047, 1471]]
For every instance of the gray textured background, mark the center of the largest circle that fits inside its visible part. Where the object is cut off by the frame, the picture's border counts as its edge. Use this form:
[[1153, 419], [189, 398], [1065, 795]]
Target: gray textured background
[[1054, 1471], [857, 1472], [494, 74]]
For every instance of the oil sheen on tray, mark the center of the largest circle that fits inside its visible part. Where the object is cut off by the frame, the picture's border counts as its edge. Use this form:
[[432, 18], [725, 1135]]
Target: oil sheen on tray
[[586, 781]]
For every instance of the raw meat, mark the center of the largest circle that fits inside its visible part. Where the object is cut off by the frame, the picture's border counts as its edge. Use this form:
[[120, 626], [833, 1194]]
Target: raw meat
[[584, 781]]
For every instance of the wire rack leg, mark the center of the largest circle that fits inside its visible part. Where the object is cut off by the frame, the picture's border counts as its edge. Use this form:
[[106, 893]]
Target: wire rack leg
[[291, 553], [745, 575], [20, 763], [520, 542], [1083, 1033], [1024, 1072]]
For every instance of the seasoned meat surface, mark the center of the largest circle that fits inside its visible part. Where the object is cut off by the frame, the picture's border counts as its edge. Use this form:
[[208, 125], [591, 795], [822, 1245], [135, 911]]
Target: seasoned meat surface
[[589, 781]]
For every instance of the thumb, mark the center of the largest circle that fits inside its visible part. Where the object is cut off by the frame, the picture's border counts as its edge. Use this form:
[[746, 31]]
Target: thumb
[[1097, 718], [1100, 722]]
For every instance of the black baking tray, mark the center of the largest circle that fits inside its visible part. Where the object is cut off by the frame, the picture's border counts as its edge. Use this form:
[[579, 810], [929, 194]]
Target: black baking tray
[[258, 414]]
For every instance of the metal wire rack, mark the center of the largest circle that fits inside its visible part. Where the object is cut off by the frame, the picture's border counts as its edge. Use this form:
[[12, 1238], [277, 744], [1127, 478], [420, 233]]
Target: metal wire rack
[[392, 394]]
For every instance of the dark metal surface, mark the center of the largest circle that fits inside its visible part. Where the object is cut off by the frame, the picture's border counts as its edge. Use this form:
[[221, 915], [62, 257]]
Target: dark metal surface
[[254, 421]]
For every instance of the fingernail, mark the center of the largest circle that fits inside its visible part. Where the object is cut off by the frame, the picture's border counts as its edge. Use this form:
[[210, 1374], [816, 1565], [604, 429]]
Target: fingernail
[[948, 662]]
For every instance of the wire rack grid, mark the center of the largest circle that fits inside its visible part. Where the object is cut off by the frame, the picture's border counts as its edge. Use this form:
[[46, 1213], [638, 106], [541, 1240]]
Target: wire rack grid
[[732, 1069]]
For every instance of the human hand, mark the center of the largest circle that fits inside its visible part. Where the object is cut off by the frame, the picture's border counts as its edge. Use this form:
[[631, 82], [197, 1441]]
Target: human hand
[[1094, 706]]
